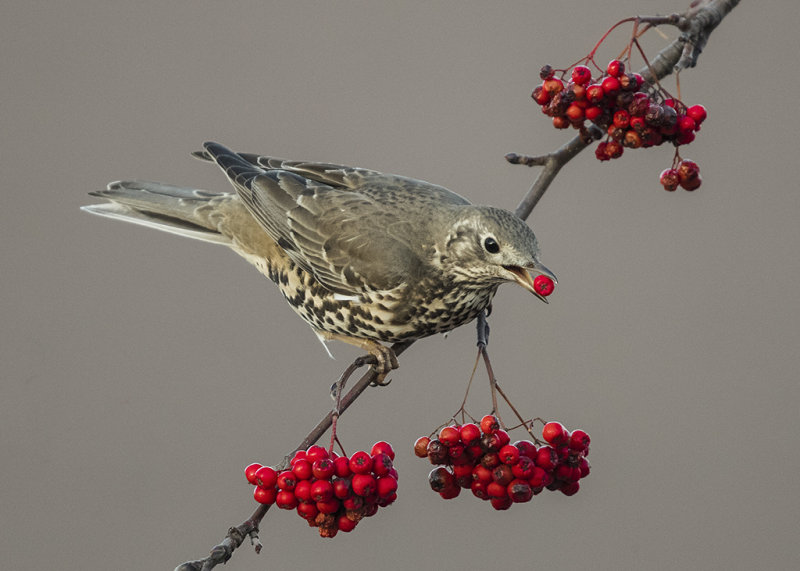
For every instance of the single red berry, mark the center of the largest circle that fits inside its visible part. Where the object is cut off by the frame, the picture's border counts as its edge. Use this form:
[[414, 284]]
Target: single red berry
[[543, 285], [496, 490], [469, 433], [632, 139], [299, 455], [437, 452], [640, 104], [593, 112], [688, 169], [546, 458], [489, 424], [266, 477], [314, 452], [579, 440], [540, 478], [323, 469], [302, 470], [460, 470], [578, 92], [381, 464], [509, 454], [341, 488], [622, 118], [567, 473], [698, 113], [382, 447], [265, 495], [421, 446], [440, 478], [685, 124], [560, 122], [615, 68], [553, 85], [502, 474], [386, 486], [581, 74], [302, 491], [390, 499], [450, 492], [341, 467], [307, 510], [610, 86], [344, 523], [685, 138], [329, 506], [614, 150], [287, 480], [526, 448], [519, 491], [457, 453], [286, 500], [524, 468], [555, 433], [321, 490], [570, 489], [353, 502], [478, 489], [546, 71], [250, 473], [481, 473], [363, 484], [595, 93], [501, 503], [575, 112], [601, 152], [490, 460], [361, 462], [449, 435], [540, 95], [692, 184]]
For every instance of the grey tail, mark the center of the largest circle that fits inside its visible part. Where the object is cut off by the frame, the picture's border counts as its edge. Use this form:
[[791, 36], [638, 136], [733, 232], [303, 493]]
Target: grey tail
[[175, 209]]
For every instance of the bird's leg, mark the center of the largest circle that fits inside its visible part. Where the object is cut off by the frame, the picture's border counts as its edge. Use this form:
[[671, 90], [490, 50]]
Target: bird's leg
[[385, 357]]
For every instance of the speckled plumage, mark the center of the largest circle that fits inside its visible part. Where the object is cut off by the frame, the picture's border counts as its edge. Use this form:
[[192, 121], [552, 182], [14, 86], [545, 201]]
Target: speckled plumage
[[362, 256]]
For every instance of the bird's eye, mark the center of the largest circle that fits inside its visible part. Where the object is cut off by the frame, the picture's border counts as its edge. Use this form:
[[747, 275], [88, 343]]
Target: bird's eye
[[491, 245]]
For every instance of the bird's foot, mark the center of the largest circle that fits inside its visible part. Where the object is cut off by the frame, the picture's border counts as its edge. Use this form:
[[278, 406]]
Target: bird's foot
[[385, 359]]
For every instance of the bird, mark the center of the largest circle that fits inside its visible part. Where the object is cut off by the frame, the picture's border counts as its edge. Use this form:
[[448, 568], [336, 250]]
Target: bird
[[363, 257]]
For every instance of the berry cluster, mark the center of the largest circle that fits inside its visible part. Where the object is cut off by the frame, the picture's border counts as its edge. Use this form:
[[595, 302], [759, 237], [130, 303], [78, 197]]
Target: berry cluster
[[482, 459], [331, 492], [632, 112], [686, 174]]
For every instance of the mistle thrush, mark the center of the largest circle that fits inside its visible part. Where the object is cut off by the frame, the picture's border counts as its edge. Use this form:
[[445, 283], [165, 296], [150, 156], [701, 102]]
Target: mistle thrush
[[363, 257]]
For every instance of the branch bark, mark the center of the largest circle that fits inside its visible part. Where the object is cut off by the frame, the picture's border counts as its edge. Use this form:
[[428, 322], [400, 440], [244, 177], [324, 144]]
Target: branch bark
[[701, 19]]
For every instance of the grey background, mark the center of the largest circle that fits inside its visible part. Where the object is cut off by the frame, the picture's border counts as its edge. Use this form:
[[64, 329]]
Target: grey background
[[141, 372]]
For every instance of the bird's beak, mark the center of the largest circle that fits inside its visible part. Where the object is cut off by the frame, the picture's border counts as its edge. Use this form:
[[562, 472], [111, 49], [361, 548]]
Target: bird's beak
[[524, 278]]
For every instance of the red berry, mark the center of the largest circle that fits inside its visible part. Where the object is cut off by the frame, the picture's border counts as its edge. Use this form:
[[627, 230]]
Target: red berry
[[601, 151], [341, 467], [595, 93], [461, 470], [469, 433], [449, 436], [579, 441], [321, 490], [382, 448], [341, 488], [540, 95], [526, 448], [441, 478], [265, 495], [622, 118], [687, 170], [381, 464], [345, 524], [555, 433], [250, 473], [478, 489], [421, 446], [502, 474], [361, 463], [613, 150], [481, 473], [314, 452], [570, 489], [286, 500], [575, 112], [266, 477], [593, 112], [692, 184], [450, 492], [524, 468], [437, 452], [698, 113], [302, 469], [584, 467], [560, 122], [489, 424], [323, 469], [685, 138], [581, 74], [287, 480], [686, 123], [543, 285], [632, 139], [490, 460], [553, 85], [509, 454], [567, 473], [329, 506], [615, 68], [386, 486], [363, 484], [501, 503], [519, 491], [302, 491], [540, 478], [610, 86], [496, 490], [546, 458], [307, 510], [353, 502], [299, 455]]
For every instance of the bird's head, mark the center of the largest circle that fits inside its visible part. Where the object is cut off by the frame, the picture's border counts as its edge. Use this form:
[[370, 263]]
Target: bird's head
[[488, 246]]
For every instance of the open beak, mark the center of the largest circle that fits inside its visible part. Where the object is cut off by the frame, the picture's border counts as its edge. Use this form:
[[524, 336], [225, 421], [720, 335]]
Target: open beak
[[524, 278]]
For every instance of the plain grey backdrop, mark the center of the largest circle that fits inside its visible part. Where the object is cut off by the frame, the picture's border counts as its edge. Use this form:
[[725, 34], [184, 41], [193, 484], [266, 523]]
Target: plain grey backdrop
[[141, 372]]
